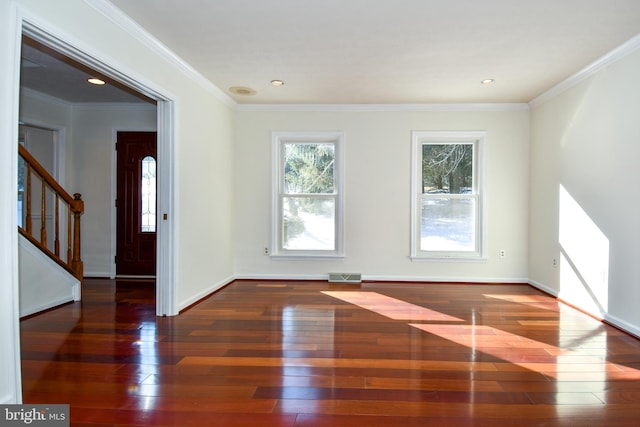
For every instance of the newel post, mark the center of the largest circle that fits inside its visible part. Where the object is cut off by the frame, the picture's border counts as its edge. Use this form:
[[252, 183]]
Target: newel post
[[76, 262]]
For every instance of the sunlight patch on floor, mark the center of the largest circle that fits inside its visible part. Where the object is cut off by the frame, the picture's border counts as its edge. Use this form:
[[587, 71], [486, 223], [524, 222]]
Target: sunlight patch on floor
[[506, 346], [391, 307]]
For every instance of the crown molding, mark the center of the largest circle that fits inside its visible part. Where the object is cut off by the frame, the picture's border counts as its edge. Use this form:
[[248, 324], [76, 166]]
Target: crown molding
[[340, 108], [612, 57], [43, 97], [122, 20]]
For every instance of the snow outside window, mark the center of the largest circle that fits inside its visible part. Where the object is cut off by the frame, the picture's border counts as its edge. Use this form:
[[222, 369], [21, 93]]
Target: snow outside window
[[307, 190], [447, 195]]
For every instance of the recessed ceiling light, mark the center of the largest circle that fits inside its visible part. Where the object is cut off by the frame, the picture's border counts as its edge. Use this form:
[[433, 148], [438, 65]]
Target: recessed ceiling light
[[277, 82], [96, 81], [241, 90], [487, 81]]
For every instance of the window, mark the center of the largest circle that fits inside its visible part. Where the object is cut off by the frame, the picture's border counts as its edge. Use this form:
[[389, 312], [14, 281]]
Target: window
[[447, 195], [148, 195], [307, 189]]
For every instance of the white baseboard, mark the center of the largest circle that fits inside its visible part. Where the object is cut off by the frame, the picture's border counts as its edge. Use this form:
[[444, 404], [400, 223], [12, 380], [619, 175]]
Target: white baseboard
[[97, 274], [440, 279], [621, 324], [282, 277], [205, 293], [543, 287], [379, 278], [50, 304], [608, 318]]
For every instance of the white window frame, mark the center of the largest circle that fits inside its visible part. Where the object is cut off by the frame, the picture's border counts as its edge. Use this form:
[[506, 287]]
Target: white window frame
[[479, 140], [278, 141]]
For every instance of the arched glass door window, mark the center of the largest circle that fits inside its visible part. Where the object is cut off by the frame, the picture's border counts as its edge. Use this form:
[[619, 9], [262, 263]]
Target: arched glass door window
[[148, 194]]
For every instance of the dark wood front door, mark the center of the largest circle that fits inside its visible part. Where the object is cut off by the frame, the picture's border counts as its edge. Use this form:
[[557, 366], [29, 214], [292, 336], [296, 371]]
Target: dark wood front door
[[136, 204]]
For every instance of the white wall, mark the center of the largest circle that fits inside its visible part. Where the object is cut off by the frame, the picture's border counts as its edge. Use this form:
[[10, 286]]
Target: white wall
[[584, 194], [40, 110], [43, 283], [377, 188]]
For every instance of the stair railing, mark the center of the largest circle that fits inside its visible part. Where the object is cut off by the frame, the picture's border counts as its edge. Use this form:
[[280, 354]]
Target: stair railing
[[63, 203]]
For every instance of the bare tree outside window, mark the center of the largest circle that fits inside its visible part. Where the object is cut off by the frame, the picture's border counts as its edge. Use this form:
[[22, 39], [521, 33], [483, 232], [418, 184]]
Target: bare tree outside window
[[308, 219], [447, 206], [307, 195]]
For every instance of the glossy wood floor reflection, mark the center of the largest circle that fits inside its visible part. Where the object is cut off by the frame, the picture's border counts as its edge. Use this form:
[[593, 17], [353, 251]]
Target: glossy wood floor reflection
[[320, 354]]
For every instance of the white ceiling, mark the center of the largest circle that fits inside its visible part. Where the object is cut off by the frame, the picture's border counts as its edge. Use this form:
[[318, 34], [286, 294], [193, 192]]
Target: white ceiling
[[374, 51], [48, 72], [388, 51]]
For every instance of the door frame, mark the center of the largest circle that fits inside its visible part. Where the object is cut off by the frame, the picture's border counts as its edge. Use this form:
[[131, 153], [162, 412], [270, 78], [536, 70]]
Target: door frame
[[59, 145], [166, 230]]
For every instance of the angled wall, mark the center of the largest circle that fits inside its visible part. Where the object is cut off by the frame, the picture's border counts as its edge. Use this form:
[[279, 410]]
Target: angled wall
[[584, 236]]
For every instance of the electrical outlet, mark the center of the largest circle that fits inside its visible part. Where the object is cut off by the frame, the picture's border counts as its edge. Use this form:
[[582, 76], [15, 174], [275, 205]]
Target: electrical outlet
[[266, 250], [555, 263], [502, 253]]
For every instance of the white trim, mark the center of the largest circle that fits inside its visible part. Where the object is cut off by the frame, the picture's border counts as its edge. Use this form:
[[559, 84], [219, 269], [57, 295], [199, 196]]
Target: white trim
[[544, 288], [205, 293], [479, 140], [621, 324], [612, 57], [445, 279], [302, 277], [98, 275], [607, 317], [278, 139], [340, 108], [167, 230], [128, 25], [49, 305], [114, 210], [11, 377], [43, 97], [383, 278], [59, 146], [86, 54], [166, 250]]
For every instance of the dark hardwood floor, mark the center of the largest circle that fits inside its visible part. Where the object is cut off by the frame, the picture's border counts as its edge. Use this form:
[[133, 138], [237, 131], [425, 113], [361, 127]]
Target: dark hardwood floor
[[320, 354]]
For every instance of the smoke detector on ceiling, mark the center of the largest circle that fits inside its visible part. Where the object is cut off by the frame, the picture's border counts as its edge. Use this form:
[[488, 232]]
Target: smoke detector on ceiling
[[242, 90]]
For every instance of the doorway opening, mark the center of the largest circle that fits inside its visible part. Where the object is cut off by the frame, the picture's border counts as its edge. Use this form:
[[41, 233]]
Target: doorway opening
[[42, 47]]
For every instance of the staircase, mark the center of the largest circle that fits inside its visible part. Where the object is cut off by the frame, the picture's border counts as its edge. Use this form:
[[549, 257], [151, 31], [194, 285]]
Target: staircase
[[49, 220]]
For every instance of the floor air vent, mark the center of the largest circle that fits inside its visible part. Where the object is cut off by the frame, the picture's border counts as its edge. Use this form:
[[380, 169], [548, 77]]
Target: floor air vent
[[345, 277]]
